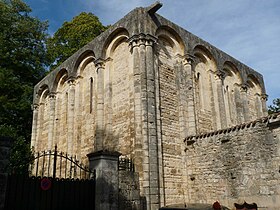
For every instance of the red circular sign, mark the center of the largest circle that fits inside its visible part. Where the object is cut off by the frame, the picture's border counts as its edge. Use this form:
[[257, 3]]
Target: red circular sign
[[45, 184]]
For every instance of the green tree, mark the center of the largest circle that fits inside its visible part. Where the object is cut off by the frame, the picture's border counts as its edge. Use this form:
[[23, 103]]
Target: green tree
[[22, 65], [72, 36], [20, 155], [275, 107]]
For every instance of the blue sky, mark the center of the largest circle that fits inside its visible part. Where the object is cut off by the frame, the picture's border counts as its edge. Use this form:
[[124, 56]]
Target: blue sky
[[248, 30]]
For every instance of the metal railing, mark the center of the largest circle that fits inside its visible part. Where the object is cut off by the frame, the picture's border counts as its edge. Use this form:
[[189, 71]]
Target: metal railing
[[126, 164], [59, 165]]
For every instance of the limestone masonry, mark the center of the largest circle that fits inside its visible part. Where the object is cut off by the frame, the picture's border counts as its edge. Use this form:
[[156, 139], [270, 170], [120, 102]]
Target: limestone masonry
[[184, 111]]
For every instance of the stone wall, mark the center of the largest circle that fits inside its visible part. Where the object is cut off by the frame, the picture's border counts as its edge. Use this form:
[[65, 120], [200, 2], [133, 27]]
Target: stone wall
[[236, 164], [169, 115], [129, 191], [121, 101]]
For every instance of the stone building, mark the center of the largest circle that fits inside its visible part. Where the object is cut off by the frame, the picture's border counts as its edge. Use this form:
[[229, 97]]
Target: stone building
[[148, 89]]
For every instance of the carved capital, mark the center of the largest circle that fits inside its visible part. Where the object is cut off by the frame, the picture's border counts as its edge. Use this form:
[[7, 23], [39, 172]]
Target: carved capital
[[35, 107], [133, 44], [188, 59], [150, 43], [133, 41], [79, 77], [150, 40], [220, 75], [99, 64], [264, 97], [141, 39], [71, 81], [52, 95], [244, 88]]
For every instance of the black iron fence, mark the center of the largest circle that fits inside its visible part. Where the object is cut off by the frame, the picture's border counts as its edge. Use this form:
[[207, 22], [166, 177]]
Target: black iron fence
[[25, 193], [126, 164], [59, 165], [57, 181]]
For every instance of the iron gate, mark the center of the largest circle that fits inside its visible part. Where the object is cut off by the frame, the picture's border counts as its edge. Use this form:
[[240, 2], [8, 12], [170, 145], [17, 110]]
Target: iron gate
[[58, 182]]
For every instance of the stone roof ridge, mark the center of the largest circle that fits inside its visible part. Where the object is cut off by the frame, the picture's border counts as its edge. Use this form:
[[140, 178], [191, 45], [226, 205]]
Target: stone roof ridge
[[268, 119], [152, 9]]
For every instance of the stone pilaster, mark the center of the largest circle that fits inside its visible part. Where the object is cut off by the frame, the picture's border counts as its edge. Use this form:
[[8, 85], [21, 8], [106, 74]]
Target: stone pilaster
[[152, 125], [263, 102], [144, 130], [146, 138], [108, 110], [244, 101], [221, 100], [99, 64], [138, 153], [181, 81], [238, 105], [258, 105], [191, 119], [35, 122], [188, 116], [51, 120], [78, 118], [39, 126], [70, 113]]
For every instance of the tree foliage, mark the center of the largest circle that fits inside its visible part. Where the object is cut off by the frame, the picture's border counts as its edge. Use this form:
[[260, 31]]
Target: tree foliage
[[20, 155], [72, 36], [22, 64], [275, 107]]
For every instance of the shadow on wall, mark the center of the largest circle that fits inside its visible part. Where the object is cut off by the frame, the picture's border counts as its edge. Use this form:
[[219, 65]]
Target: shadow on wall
[[117, 183], [194, 206], [129, 192], [125, 197]]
